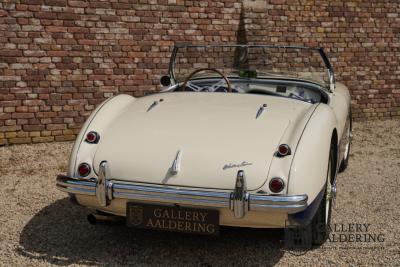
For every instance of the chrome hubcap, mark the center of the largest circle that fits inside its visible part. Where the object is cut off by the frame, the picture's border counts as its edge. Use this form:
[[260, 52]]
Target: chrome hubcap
[[328, 192], [346, 149], [331, 191]]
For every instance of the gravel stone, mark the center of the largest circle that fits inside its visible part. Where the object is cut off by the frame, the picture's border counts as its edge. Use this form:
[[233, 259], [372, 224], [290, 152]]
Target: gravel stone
[[39, 226]]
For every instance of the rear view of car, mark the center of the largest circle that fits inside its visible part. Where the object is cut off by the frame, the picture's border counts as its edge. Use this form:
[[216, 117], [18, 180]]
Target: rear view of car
[[231, 143]]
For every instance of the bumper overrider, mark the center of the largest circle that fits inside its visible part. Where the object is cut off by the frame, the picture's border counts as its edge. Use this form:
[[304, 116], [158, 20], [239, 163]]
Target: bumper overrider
[[105, 189]]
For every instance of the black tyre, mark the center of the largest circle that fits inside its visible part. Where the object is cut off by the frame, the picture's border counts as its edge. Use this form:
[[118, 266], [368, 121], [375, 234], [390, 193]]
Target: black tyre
[[320, 225], [317, 232]]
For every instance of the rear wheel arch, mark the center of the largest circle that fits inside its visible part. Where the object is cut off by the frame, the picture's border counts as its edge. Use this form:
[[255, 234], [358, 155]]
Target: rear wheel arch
[[314, 222], [310, 160]]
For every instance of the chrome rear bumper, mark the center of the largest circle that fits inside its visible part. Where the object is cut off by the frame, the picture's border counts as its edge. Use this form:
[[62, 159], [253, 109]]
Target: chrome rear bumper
[[239, 200]]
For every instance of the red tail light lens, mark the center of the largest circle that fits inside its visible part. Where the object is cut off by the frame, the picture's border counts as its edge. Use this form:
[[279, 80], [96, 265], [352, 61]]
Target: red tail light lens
[[84, 169], [92, 137], [283, 150], [276, 185]]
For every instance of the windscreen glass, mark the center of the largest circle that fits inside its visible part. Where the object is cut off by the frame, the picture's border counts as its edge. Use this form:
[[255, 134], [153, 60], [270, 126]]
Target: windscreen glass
[[251, 61]]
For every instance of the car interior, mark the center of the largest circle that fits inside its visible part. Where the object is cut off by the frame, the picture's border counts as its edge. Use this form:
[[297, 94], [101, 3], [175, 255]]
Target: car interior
[[300, 90]]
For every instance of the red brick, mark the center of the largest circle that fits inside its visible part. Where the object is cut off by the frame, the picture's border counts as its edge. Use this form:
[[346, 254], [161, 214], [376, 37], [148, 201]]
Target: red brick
[[77, 3], [57, 53], [56, 2], [12, 103], [52, 127], [34, 53], [70, 66], [56, 29], [21, 140], [62, 138], [68, 114], [98, 77], [30, 128], [68, 16], [32, 2], [21, 109], [12, 53], [12, 128], [78, 30], [46, 114], [43, 139], [22, 115], [5, 116], [45, 15], [109, 18], [77, 77]]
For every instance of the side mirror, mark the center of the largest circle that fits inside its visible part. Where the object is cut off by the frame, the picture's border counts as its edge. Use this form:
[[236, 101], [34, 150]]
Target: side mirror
[[165, 80]]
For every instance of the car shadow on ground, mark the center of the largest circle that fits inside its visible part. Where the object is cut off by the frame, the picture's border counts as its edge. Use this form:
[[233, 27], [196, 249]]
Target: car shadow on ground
[[59, 234]]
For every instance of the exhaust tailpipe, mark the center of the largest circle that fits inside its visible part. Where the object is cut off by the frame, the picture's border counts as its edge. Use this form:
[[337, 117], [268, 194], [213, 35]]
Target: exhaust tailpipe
[[95, 218]]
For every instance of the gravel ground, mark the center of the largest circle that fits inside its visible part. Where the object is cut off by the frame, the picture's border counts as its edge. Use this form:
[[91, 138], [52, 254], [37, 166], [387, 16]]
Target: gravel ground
[[39, 226]]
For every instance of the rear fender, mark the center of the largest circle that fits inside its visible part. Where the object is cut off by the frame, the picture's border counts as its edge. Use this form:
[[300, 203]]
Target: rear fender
[[308, 171], [97, 121]]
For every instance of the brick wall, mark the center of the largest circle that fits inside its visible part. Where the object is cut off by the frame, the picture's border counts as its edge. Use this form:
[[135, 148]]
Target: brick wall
[[60, 58]]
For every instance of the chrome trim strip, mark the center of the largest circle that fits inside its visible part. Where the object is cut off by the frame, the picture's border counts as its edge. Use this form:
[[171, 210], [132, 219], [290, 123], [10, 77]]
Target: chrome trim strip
[[155, 103], [279, 199], [176, 165], [260, 110], [75, 186], [239, 200], [81, 191], [125, 188]]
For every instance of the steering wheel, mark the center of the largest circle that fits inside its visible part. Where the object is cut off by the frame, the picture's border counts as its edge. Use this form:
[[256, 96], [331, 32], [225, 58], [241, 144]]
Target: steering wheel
[[213, 87]]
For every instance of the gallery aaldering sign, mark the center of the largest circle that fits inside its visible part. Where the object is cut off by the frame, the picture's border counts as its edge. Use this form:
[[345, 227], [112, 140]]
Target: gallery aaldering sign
[[347, 235], [354, 233], [173, 218]]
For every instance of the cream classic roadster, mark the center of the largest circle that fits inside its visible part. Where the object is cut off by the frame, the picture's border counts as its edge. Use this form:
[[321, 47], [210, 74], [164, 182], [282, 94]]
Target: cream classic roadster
[[241, 135]]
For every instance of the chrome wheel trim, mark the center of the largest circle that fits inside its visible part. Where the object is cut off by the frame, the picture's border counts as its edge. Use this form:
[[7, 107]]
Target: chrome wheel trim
[[346, 149], [329, 195]]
